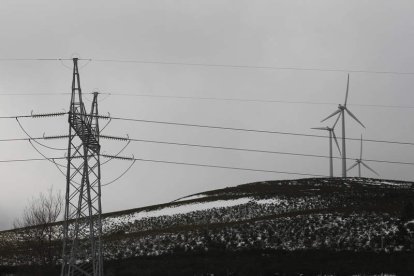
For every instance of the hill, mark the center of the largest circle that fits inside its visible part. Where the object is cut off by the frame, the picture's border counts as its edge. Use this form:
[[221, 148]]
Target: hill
[[311, 224]]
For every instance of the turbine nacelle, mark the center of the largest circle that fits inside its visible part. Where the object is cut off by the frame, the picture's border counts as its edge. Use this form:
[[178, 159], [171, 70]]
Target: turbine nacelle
[[341, 111], [331, 131]]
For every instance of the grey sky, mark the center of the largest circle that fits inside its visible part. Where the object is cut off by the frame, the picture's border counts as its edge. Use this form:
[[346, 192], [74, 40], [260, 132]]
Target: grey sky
[[356, 35]]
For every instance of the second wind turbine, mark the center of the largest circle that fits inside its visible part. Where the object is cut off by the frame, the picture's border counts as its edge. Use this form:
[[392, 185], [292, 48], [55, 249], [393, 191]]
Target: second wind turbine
[[341, 111], [331, 131]]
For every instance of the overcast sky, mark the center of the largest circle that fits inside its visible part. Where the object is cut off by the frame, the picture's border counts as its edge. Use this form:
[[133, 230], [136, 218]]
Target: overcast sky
[[369, 35]]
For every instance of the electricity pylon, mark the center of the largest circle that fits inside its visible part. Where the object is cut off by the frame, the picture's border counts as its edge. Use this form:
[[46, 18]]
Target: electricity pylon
[[82, 251]]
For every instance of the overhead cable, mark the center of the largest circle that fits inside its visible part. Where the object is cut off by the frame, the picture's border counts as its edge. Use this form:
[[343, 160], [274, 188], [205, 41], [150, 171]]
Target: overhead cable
[[170, 162], [252, 130], [261, 67], [211, 65], [34, 59], [109, 117], [203, 146], [259, 151], [211, 99], [253, 100], [211, 166]]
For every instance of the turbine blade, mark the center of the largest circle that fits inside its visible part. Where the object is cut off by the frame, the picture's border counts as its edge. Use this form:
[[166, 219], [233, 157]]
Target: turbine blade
[[319, 128], [333, 114], [369, 168], [337, 120], [347, 90], [336, 141], [353, 166], [353, 116], [360, 153]]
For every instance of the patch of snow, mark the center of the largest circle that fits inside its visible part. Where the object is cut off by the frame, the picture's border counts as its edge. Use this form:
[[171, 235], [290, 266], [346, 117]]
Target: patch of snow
[[390, 183], [176, 210], [192, 207], [188, 207], [275, 201], [190, 198]]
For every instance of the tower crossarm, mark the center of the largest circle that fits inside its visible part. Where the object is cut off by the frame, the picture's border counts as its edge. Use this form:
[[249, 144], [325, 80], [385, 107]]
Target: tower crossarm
[[84, 131]]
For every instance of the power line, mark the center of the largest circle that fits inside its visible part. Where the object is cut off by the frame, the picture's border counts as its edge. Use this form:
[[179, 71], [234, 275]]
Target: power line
[[252, 130], [36, 94], [291, 68], [208, 146], [19, 139], [210, 166], [210, 99], [253, 100], [207, 126], [257, 151], [33, 115], [29, 159], [234, 66], [172, 162], [34, 59]]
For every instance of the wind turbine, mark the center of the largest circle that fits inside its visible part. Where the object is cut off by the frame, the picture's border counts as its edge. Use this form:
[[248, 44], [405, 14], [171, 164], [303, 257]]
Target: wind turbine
[[331, 131], [341, 111], [358, 163]]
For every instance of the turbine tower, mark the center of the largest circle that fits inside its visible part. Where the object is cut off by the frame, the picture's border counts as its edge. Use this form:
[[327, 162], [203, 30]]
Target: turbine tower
[[341, 111], [331, 131], [358, 163], [82, 228]]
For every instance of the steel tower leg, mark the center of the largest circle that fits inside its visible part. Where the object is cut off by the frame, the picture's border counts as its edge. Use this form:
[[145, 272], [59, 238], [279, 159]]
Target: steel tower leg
[[330, 155], [343, 145]]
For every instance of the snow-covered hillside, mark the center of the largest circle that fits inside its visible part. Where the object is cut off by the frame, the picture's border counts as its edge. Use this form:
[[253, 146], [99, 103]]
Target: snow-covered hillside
[[353, 214]]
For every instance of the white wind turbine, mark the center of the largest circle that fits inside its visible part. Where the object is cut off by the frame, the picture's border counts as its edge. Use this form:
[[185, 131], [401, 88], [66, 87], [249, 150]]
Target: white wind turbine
[[341, 111], [331, 131], [358, 163]]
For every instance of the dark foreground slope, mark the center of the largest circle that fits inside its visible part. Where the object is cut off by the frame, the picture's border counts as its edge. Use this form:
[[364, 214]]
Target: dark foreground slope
[[298, 226]]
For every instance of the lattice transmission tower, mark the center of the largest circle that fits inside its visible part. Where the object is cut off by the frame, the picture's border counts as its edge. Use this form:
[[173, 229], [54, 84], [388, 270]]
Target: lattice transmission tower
[[82, 245]]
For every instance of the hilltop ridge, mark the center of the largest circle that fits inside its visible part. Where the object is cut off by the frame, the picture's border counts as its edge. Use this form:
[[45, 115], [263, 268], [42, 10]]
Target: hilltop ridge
[[359, 215]]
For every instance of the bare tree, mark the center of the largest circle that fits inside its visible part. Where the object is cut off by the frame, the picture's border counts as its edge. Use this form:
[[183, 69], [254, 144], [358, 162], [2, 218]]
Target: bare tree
[[37, 226]]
